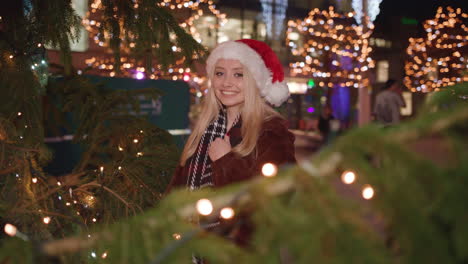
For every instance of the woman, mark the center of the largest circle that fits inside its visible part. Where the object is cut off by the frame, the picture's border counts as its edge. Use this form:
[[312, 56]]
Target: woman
[[237, 131]]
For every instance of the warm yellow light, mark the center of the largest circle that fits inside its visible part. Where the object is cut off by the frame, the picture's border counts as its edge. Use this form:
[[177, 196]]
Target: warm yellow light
[[204, 207], [348, 177], [176, 236], [269, 169], [10, 229], [34, 180], [227, 213], [104, 255], [46, 220], [135, 140], [367, 192]]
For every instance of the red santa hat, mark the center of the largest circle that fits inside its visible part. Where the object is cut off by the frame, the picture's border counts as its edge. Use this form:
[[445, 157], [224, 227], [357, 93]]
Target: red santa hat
[[262, 63]]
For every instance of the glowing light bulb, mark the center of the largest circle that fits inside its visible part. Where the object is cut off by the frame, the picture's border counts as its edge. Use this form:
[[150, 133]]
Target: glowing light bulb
[[34, 180], [139, 75], [348, 177], [176, 236], [135, 141], [10, 229], [367, 192], [227, 213], [46, 220], [104, 255], [269, 170], [204, 207]]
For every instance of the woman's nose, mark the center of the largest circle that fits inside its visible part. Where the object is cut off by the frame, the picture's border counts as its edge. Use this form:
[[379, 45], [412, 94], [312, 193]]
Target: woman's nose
[[228, 81]]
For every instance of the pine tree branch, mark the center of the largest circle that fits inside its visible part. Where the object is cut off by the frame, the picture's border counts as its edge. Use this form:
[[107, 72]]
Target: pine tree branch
[[243, 196], [95, 184]]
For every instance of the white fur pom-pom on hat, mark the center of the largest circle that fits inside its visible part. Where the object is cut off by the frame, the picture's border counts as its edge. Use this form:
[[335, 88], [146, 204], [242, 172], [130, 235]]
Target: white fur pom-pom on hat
[[262, 63]]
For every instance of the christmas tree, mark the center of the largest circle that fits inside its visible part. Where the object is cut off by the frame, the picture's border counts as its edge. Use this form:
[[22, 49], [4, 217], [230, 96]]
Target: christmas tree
[[126, 161], [334, 50], [135, 46], [439, 59]]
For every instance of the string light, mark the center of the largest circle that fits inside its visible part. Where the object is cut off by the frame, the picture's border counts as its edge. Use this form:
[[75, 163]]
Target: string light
[[204, 207], [269, 169], [34, 180], [46, 220], [104, 255], [331, 34], [10, 230], [348, 177], [367, 192], [227, 213], [129, 65], [176, 236], [436, 61]]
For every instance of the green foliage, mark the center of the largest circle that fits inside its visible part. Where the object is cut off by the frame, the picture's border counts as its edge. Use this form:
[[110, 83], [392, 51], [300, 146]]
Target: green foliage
[[151, 28]]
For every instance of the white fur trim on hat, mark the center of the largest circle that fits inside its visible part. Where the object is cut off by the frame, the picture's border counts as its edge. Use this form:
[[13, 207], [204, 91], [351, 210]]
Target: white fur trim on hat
[[274, 93]]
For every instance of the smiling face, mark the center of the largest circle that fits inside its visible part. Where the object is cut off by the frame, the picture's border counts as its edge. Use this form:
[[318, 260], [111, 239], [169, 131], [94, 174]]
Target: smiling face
[[228, 83]]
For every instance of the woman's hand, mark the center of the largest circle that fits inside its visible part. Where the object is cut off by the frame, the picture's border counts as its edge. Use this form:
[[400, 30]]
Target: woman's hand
[[219, 147]]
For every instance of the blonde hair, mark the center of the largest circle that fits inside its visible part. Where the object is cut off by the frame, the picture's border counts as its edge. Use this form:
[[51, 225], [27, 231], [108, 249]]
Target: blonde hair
[[254, 112]]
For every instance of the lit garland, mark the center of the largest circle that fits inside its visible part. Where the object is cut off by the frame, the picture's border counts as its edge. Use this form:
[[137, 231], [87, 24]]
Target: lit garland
[[134, 68], [335, 49], [439, 59]]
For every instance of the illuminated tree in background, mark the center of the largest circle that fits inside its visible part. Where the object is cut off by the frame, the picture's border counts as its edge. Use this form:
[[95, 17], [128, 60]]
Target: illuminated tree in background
[[335, 51], [439, 59], [139, 55]]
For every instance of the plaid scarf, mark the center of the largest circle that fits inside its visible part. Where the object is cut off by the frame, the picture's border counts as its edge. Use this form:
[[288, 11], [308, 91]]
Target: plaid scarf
[[199, 173]]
